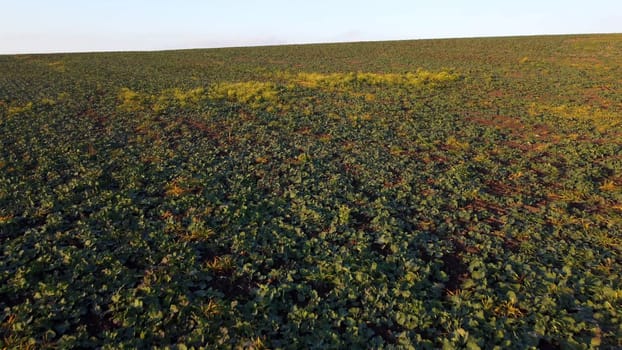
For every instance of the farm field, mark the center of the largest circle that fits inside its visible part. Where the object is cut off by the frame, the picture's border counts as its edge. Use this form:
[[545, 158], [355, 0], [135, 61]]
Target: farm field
[[457, 193]]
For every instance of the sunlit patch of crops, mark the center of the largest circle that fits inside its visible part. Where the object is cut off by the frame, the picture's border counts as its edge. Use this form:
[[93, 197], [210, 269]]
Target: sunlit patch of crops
[[602, 118], [453, 143], [18, 109], [255, 93], [178, 97], [47, 101], [258, 94], [62, 96], [130, 101], [358, 117], [342, 80]]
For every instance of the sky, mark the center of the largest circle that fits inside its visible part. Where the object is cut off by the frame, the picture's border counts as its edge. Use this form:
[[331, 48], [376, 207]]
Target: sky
[[41, 26]]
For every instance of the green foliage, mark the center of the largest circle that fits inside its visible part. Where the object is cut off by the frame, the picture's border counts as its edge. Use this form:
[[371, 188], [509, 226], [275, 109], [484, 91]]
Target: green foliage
[[332, 196]]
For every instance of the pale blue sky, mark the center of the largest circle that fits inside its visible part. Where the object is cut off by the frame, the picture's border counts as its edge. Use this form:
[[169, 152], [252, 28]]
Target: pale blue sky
[[102, 25]]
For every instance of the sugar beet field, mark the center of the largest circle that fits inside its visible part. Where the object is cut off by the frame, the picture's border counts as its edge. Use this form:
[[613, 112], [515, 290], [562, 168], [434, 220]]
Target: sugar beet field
[[433, 194]]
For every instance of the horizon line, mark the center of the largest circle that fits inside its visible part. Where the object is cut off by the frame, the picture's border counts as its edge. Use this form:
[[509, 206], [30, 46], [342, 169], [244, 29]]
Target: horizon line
[[302, 43]]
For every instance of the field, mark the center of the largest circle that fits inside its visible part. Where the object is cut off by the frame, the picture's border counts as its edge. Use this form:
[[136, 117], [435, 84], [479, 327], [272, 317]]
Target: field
[[445, 194]]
